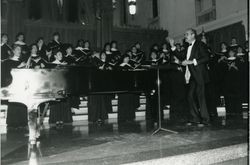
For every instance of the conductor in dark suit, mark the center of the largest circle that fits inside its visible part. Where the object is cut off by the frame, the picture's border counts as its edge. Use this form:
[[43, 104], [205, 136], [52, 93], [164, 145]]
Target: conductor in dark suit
[[196, 76]]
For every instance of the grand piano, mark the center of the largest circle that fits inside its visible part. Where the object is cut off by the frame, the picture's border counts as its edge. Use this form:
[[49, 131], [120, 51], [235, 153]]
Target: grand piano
[[35, 86]]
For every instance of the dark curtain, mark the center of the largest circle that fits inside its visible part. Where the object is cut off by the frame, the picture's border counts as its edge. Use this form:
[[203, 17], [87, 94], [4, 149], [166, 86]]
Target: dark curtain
[[225, 34]]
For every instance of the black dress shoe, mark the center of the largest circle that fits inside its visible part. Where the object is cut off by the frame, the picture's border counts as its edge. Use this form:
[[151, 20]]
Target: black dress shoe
[[207, 124], [191, 123]]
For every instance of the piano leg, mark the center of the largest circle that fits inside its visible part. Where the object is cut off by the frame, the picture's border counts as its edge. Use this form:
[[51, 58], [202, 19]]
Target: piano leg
[[34, 130]]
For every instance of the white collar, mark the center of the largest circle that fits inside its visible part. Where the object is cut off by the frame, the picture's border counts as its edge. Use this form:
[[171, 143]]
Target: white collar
[[79, 48], [234, 45], [124, 64], [240, 54], [224, 50], [69, 55], [85, 48], [192, 44], [113, 49], [164, 50], [57, 41], [231, 58], [56, 62], [20, 43], [108, 52], [14, 58]]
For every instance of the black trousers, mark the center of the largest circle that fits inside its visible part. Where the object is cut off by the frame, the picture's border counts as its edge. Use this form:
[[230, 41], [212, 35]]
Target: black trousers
[[197, 102]]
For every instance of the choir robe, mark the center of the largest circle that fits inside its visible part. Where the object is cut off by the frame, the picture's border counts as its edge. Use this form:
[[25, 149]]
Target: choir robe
[[61, 110], [232, 89], [243, 59], [212, 97], [220, 69], [141, 56], [42, 51], [127, 105], [83, 55], [53, 45], [5, 51], [16, 112], [174, 87], [37, 62], [115, 57], [70, 59], [99, 105], [49, 59]]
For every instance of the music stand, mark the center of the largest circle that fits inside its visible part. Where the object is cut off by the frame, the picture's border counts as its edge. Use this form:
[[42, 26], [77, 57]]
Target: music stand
[[159, 106]]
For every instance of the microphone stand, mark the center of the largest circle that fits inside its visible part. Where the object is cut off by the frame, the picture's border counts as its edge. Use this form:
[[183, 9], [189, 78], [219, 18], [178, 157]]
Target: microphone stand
[[159, 107]]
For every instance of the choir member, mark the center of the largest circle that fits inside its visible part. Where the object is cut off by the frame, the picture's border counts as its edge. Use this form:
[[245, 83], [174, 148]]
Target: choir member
[[178, 47], [241, 54], [116, 54], [55, 43], [20, 40], [59, 58], [104, 65], [135, 56], [127, 63], [84, 53], [243, 59], [107, 50], [220, 68], [78, 51], [246, 47], [60, 112], [99, 105], [175, 88], [127, 102], [5, 48], [49, 58], [86, 49], [212, 97], [165, 53], [35, 60], [140, 53], [234, 45], [16, 112], [69, 58], [41, 47], [154, 60], [232, 86], [155, 48]]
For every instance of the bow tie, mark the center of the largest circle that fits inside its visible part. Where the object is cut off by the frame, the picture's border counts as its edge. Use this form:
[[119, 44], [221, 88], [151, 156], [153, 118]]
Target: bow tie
[[189, 44]]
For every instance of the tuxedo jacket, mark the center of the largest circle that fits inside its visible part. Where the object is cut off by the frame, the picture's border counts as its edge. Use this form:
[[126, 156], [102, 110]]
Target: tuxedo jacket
[[200, 53]]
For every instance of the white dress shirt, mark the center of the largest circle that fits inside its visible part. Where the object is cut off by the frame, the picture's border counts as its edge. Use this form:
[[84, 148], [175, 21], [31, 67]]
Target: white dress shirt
[[187, 73]]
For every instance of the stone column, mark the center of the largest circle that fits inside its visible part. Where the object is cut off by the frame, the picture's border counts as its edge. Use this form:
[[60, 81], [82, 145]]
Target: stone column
[[104, 22]]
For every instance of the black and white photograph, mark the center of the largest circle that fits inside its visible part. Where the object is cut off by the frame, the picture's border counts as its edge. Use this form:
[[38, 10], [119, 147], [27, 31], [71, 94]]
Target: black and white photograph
[[124, 82]]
